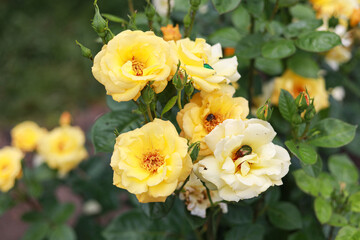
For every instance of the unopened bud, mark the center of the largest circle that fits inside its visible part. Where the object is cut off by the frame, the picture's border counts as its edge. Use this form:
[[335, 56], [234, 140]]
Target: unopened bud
[[86, 52], [310, 113], [302, 101], [195, 3], [180, 79], [189, 88], [99, 23], [187, 20], [65, 119], [264, 112], [148, 94], [150, 11]]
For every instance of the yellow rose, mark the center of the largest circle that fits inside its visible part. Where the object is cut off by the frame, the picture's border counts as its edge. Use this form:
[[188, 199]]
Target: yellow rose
[[10, 167], [63, 148], [26, 135], [245, 162], [337, 8], [295, 84], [203, 64], [130, 60], [150, 161], [337, 56], [206, 110]]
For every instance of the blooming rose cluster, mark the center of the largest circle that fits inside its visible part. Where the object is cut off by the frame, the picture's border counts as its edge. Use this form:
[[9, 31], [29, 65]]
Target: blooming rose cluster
[[237, 159], [61, 148]]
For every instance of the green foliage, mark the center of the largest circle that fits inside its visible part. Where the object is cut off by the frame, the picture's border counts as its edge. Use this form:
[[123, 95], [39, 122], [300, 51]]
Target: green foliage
[[306, 183], [343, 169], [287, 105], [227, 37], [285, 216], [246, 232], [331, 133], [280, 48], [317, 41], [304, 65], [224, 6], [157, 210], [348, 233], [303, 151], [323, 209]]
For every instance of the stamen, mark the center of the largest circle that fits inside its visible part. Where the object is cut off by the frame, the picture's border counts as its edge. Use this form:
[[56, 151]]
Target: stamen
[[152, 161]]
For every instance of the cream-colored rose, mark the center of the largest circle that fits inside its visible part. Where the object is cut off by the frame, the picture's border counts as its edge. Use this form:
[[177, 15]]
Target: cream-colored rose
[[337, 56], [245, 162], [63, 148], [150, 161], [10, 167], [132, 59], [206, 110], [161, 6], [203, 64], [295, 84], [196, 199], [26, 135]]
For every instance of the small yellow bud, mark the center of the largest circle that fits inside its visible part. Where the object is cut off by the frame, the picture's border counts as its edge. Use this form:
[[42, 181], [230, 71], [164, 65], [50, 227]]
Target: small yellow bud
[[171, 33], [65, 119]]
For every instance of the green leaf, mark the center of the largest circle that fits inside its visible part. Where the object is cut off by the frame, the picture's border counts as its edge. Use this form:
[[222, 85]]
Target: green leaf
[[322, 209], [156, 210], [62, 213], [332, 133], [306, 183], [227, 37], [343, 168], [241, 18], [224, 6], [33, 216], [348, 233], [36, 231], [303, 151], [62, 232], [297, 28], [313, 170], [194, 221], [119, 106], [318, 41], [287, 105], [250, 46], [337, 220], [297, 236], [276, 49], [285, 216], [355, 202], [169, 105], [246, 232], [33, 186], [269, 66], [238, 214], [327, 184], [272, 195], [102, 132], [302, 11], [303, 65], [287, 3], [255, 7]]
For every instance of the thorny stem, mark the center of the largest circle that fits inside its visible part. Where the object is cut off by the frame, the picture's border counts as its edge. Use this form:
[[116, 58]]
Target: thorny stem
[[182, 186], [274, 10], [189, 29], [131, 6], [149, 113], [168, 12], [303, 135], [179, 99], [208, 194], [331, 233]]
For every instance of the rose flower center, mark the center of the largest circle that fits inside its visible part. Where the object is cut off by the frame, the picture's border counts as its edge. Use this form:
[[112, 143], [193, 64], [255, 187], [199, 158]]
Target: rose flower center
[[243, 167], [211, 121], [152, 161], [137, 67]]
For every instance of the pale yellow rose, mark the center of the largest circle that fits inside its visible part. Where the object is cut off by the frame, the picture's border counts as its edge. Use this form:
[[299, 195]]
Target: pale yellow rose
[[10, 167], [295, 84], [203, 64], [132, 59], [206, 110], [336, 8], [196, 199], [150, 161], [245, 162], [63, 148], [337, 56], [26, 135]]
